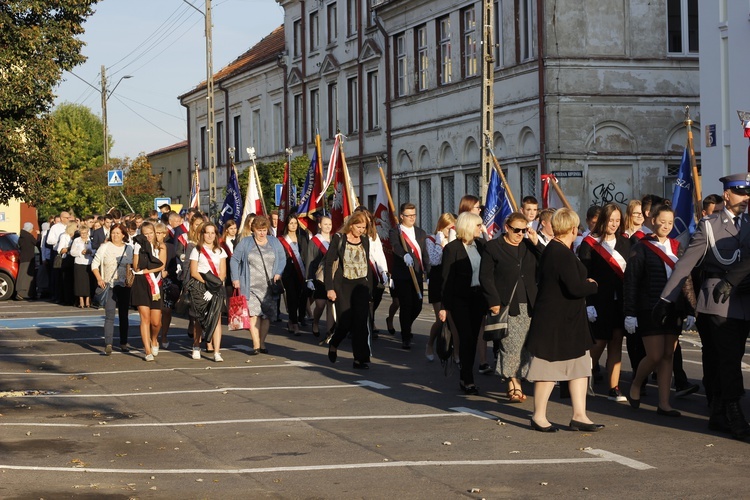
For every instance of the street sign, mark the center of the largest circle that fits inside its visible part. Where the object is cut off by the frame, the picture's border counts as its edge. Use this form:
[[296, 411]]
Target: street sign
[[161, 201], [568, 173], [114, 178], [711, 135]]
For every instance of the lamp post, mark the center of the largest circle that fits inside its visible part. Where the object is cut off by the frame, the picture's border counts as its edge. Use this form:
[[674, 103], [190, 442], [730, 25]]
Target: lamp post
[[105, 98]]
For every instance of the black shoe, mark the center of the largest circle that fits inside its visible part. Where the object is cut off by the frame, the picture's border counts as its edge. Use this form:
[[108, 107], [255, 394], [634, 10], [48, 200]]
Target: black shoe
[[537, 427], [738, 426], [253, 352], [634, 403], [485, 369], [667, 413], [406, 345], [124, 348], [332, 355], [686, 390], [575, 425], [263, 351], [469, 390], [718, 419], [360, 366]]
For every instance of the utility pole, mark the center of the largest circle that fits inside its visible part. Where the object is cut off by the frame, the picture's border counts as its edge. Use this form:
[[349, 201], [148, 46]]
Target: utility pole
[[210, 126], [104, 116], [488, 94]]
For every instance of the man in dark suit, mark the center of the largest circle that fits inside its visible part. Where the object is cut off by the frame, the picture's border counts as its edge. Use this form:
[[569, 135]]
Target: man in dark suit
[[100, 235], [409, 256], [723, 326], [26, 282]]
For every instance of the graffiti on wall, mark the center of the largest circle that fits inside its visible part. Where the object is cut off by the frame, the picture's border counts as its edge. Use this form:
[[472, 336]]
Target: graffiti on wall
[[607, 192]]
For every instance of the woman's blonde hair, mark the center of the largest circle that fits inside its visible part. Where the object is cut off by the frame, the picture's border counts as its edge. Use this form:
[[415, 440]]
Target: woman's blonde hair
[[564, 220], [628, 223], [445, 220], [246, 228], [466, 226], [71, 228]]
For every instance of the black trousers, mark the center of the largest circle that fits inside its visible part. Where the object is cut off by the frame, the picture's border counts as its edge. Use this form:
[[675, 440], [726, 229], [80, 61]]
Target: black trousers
[[296, 297], [352, 313], [723, 342], [410, 305], [467, 314]]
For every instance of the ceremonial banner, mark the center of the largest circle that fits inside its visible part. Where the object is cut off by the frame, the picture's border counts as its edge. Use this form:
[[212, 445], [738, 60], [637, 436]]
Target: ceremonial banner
[[682, 200], [286, 202], [344, 199], [385, 219], [311, 190], [232, 208], [253, 198], [195, 191], [550, 197], [497, 206]]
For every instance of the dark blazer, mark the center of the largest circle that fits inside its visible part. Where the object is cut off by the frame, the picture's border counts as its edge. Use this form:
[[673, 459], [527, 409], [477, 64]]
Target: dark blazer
[[98, 236], [457, 273], [399, 270], [610, 285], [314, 257], [501, 269], [335, 252], [289, 269], [26, 246], [559, 329]]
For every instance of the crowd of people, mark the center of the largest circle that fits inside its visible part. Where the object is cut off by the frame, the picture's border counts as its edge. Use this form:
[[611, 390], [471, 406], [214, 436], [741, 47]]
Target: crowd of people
[[570, 291]]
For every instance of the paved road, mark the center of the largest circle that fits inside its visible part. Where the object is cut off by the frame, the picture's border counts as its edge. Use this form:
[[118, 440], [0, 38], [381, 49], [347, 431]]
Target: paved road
[[292, 425]]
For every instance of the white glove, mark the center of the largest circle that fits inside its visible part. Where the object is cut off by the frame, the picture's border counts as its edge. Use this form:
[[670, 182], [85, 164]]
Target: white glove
[[408, 260], [631, 323], [689, 323], [591, 313], [207, 296], [310, 285], [384, 276], [139, 273]]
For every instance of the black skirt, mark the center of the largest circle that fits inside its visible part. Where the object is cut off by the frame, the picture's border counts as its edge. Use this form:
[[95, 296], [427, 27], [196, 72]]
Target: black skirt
[[140, 294], [82, 277]]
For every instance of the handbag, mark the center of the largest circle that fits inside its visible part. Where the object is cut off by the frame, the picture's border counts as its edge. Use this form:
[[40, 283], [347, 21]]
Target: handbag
[[57, 263], [129, 276], [496, 325], [182, 305], [101, 295], [238, 315], [275, 287]]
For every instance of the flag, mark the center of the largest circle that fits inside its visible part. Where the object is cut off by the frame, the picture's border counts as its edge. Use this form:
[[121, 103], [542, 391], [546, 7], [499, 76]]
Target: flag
[[195, 191], [232, 208], [497, 207], [344, 199], [332, 167], [550, 198], [384, 217], [285, 203], [311, 190], [253, 198], [682, 200]]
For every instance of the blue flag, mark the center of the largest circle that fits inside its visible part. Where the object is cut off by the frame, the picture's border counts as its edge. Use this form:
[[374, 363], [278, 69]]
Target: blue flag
[[682, 199], [497, 208], [232, 208]]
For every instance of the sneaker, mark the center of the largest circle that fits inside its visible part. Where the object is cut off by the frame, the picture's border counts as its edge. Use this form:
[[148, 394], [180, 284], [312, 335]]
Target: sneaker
[[616, 395], [108, 350], [149, 357], [155, 350], [686, 390], [218, 358], [196, 353], [485, 369]]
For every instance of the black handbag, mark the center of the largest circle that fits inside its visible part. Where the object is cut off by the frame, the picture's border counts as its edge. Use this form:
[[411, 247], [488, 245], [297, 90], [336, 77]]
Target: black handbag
[[496, 325], [276, 288]]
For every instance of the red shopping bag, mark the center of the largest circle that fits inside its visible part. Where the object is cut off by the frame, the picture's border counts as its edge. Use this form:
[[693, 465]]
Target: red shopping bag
[[239, 316]]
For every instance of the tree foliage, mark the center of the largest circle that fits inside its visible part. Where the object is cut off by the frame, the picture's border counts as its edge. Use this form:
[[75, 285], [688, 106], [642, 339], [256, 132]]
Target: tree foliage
[[140, 186], [272, 173], [37, 43]]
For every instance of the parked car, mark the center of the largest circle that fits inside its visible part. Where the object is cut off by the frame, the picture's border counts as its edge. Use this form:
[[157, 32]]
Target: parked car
[[9, 257]]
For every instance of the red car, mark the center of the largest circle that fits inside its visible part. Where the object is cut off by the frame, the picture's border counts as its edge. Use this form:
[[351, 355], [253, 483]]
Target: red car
[[9, 258]]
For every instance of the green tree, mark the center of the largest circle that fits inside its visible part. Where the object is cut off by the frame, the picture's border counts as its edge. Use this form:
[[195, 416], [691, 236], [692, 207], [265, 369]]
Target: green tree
[[140, 185], [37, 43], [272, 173]]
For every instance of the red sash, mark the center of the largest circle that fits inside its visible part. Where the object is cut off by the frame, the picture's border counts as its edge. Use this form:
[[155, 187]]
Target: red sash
[[226, 249], [414, 249], [604, 254], [290, 253], [210, 262], [662, 255], [154, 284], [183, 239], [170, 230], [320, 245], [639, 234]]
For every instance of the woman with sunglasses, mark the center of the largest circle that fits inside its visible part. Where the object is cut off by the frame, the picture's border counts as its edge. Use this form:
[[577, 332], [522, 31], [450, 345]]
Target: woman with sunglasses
[[508, 279]]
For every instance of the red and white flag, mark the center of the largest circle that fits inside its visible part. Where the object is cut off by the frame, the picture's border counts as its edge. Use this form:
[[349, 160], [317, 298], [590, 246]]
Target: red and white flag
[[195, 191], [385, 219], [253, 198], [550, 198], [344, 200]]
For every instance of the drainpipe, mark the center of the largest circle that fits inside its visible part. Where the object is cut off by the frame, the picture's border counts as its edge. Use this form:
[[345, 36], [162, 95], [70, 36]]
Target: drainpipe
[[540, 70], [226, 129], [281, 62], [303, 53], [361, 132], [189, 140], [388, 142]]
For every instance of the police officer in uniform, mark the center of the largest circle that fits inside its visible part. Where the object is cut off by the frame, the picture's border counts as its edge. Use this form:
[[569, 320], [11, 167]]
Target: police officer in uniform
[[723, 325]]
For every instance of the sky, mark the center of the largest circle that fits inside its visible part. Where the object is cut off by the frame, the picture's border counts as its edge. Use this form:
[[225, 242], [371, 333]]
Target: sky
[[161, 45]]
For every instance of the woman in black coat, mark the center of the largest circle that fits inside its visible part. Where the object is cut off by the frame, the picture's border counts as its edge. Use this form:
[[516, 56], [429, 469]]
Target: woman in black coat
[[604, 252], [559, 339], [462, 296], [295, 247], [508, 279]]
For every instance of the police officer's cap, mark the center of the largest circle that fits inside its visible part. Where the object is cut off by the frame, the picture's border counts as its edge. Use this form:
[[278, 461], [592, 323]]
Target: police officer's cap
[[737, 182]]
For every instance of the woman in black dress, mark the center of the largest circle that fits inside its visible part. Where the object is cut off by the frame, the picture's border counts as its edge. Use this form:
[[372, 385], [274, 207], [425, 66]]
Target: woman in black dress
[[149, 259], [295, 247]]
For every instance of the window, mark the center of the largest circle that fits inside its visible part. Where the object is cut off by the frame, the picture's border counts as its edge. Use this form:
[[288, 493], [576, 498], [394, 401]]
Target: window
[[399, 47], [682, 26], [351, 17], [371, 199], [373, 117], [353, 105], [403, 193], [237, 143], [298, 38], [299, 120], [332, 16], [525, 30], [448, 195], [333, 109], [314, 110], [425, 204], [445, 65], [256, 132], [203, 148], [220, 146], [278, 127], [528, 181], [469, 42], [423, 60], [472, 184], [498, 34], [314, 31]]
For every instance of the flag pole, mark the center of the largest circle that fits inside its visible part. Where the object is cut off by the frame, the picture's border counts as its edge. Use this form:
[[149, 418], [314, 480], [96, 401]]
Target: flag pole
[[501, 174], [698, 197], [394, 221], [349, 187], [553, 183]]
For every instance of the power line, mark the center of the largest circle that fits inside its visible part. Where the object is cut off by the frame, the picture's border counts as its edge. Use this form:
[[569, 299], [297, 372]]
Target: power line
[[182, 118], [146, 119], [168, 46]]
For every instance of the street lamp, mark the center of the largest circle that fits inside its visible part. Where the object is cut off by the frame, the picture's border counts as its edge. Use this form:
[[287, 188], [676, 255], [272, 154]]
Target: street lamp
[[105, 97]]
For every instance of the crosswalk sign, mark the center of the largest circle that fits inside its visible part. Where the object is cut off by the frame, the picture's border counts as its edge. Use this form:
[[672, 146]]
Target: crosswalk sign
[[114, 178]]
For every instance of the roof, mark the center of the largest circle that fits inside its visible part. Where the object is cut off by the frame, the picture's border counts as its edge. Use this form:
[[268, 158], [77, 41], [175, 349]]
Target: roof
[[268, 49], [168, 149]]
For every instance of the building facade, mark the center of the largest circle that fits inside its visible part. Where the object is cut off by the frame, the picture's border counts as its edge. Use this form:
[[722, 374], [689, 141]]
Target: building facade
[[172, 165]]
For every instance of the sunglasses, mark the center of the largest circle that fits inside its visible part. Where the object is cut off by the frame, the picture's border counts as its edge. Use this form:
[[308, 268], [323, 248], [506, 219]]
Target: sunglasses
[[518, 229]]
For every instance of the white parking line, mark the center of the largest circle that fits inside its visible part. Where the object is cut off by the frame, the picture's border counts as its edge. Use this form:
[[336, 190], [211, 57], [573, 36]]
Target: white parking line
[[602, 457]]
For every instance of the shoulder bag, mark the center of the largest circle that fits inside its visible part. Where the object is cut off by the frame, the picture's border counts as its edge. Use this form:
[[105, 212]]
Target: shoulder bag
[[275, 287], [496, 326]]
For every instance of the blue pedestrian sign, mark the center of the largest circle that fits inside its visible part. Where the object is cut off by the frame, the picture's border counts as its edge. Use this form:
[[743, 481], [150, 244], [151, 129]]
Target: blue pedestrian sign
[[114, 178]]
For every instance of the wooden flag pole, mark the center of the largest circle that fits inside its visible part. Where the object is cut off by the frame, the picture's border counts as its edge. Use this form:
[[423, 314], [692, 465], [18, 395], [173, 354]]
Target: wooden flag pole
[[502, 176], [697, 196], [553, 183], [394, 221]]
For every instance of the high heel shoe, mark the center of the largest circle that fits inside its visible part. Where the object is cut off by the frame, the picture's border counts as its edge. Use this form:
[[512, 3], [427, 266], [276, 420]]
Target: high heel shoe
[[575, 425], [634, 403], [332, 355], [389, 326], [667, 413], [537, 427]]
